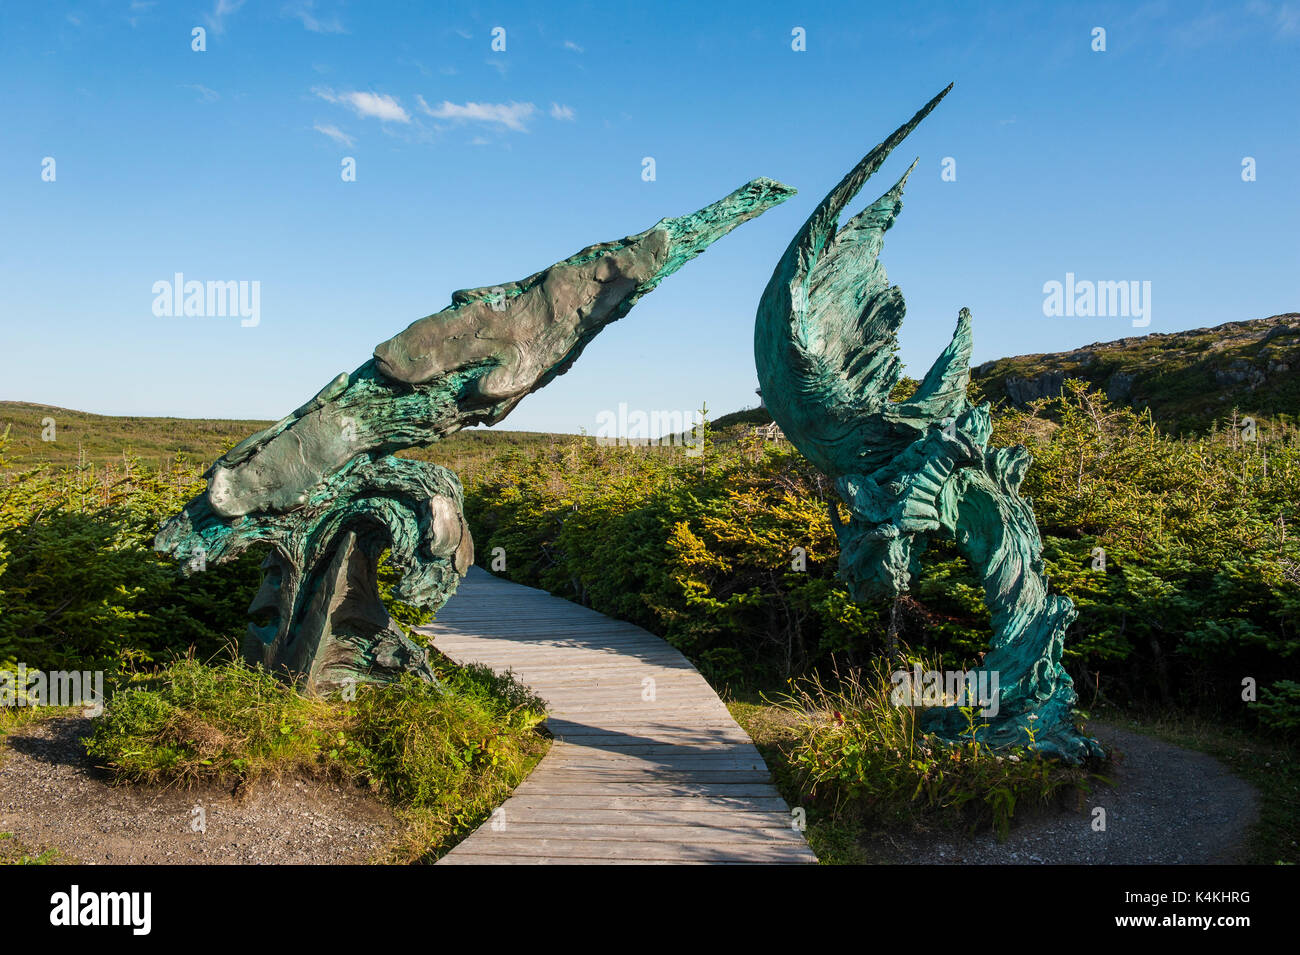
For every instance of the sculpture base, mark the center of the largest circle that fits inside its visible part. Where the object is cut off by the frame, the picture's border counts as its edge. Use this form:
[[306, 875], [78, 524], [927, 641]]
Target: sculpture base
[[318, 618], [343, 633], [1047, 730]]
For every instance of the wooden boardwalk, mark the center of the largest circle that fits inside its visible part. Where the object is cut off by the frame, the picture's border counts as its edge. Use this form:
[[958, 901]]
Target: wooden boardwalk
[[647, 765]]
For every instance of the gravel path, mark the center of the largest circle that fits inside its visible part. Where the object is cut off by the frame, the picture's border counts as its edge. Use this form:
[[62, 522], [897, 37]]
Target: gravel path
[[1170, 806], [51, 797]]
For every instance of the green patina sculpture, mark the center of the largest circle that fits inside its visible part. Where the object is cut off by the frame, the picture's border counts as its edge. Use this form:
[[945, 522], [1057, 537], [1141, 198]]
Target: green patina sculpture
[[321, 486], [825, 342]]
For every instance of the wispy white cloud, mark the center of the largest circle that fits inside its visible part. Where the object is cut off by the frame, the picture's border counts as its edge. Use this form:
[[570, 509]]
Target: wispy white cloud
[[217, 18], [498, 63], [1200, 31], [205, 94], [379, 105], [334, 133], [1285, 16], [406, 61], [562, 112], [306, 12], [510, 115], [138, 7], [570, 45]]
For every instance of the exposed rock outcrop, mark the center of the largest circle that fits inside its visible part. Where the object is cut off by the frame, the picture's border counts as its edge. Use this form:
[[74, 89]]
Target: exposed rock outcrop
[[1186, 378]]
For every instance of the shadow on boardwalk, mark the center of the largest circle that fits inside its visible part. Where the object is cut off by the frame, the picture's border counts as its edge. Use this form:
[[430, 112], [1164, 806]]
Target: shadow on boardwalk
[[648, 765]]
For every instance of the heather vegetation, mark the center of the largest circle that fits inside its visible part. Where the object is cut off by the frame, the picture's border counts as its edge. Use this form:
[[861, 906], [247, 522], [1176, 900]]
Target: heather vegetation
[[1181, 554], [64, 438], [82, 589], [1188, 380], [445, 756]]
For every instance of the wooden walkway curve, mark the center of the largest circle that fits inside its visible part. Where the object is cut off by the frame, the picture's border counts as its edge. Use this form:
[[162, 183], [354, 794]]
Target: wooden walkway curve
[[647, 764]]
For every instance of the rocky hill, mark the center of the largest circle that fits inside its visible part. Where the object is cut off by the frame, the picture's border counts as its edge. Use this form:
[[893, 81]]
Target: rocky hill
[[1188, 379]]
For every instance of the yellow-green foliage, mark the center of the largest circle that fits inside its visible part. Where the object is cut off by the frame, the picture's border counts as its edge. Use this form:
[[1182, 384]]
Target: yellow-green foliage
[[82, 439], [447, 755], [82, 588], [699, 549], [80, 584], [1201, 585], [1179, 375], [844, 749]]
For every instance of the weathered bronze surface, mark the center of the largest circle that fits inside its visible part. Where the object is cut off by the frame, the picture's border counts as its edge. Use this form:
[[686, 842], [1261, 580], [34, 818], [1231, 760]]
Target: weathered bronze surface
[[321, 486]]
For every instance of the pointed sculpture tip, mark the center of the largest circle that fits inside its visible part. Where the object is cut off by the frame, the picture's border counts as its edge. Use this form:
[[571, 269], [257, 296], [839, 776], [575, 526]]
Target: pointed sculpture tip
[[902, 180], [848, 187], [696, 231], [925, 110], [965, 324], [754, 197], [769, 187]]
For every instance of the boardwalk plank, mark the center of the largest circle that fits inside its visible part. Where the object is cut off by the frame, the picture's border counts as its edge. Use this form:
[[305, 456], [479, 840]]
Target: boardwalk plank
[[621, 830], [628, 780]]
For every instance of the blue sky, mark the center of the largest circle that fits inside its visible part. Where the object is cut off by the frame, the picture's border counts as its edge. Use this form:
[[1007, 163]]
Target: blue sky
[[475, 167]]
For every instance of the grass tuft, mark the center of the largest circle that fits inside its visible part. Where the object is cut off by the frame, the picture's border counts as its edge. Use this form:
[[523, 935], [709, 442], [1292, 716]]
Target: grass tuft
[[443, 756], [855, 761], [13, 852]]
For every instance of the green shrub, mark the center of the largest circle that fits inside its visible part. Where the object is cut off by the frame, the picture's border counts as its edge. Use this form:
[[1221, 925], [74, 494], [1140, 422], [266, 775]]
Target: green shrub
[[1200, 585], [80, 584], [847, 749], [82, 588], [445, 755], [1279, 706]]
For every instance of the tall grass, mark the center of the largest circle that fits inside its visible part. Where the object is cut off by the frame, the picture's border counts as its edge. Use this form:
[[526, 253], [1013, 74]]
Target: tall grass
[[443, 756], [848, 750]]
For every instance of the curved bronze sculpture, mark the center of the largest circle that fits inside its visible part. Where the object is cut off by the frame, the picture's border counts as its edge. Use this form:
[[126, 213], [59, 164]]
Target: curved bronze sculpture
[[321, 486], [824, 345]]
